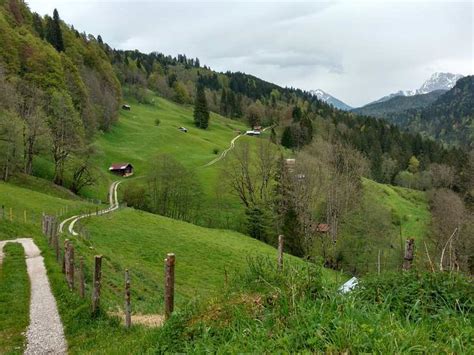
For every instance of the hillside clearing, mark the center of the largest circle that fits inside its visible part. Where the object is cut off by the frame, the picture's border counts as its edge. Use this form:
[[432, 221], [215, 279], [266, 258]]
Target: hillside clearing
[[387, 216]]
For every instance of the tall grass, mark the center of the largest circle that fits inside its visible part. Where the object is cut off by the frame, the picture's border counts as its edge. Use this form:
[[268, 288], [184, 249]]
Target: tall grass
[[295, 311]]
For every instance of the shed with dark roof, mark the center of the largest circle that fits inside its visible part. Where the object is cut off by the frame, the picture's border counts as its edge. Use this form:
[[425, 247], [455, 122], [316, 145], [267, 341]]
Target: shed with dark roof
[[124, 169]]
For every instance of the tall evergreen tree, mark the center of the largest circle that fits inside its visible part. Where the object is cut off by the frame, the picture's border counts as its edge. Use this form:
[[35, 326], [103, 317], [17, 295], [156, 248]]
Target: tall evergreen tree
[[287, 138], [223, 107], [54, 34], [297, 114], [231, 104], [38, 25], [201, 110]]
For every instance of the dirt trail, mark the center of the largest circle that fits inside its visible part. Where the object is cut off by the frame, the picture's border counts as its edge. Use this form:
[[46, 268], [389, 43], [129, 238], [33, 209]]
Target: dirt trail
[[113, 202], [232, 145], [45, 333]]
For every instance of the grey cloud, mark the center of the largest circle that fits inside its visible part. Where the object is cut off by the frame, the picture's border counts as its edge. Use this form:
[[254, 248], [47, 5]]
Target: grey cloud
[[356, 50]]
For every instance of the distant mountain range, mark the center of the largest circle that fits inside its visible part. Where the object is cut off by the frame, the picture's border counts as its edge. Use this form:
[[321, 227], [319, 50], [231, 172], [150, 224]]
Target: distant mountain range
[[437, 81], [324, 96], [448, 118], [396, 104]]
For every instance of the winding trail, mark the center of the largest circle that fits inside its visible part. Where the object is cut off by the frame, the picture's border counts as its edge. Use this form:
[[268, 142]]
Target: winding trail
[[224, 153], [45, 333], [232, 145], [113, 205]]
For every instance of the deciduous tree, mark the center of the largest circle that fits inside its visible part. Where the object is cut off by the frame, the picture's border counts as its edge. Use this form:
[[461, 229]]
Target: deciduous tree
[[66, 132]]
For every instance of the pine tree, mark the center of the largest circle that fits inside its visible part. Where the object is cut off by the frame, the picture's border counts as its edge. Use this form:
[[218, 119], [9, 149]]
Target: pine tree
[[287, 138], [223, 107], [306, 127], [54, 34], [201, 111], [230, 104], [256, 223], [296, 114], [38, 25]]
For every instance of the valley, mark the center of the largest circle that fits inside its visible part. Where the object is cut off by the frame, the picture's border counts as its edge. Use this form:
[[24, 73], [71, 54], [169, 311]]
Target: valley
[[152, 204]]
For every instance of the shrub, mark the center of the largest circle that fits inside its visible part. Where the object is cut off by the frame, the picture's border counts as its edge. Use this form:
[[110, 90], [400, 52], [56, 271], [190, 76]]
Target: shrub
[[215, 151], [157, 121]]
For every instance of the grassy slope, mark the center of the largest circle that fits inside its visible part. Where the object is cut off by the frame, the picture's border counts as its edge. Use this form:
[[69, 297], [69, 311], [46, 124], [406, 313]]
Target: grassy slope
[[384, 212], [140, 241], [14, 300], [137, 139], [21, 199], [410, 205]]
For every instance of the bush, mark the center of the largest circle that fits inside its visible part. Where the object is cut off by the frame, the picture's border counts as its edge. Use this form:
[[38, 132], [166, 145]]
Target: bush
[[215, 151], [157, 121]]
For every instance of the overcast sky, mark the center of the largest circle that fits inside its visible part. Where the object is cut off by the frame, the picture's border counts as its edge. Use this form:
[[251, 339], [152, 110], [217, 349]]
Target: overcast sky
[[357, 51]]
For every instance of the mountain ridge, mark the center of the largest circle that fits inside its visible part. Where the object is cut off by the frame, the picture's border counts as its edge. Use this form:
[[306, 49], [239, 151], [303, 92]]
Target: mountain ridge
[[397, 104], [328, 98], [437, 81]]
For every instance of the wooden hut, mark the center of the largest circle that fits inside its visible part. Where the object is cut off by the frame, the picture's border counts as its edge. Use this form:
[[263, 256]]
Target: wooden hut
[[123, 169]]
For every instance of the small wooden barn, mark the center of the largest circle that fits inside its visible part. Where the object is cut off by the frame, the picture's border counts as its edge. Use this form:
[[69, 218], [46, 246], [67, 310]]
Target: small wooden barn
[[123, 169], [322, 228]]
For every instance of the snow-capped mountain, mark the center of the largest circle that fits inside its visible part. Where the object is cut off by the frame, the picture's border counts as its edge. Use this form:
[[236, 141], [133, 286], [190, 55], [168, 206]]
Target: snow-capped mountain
[[437, 81], [324, 96]]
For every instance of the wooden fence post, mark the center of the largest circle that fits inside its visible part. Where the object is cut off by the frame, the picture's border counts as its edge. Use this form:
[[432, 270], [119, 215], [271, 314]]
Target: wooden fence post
[[409, 247], [169, 284], [378, 263], [24, 215], [52, 230], [128, 306], [65, 263], [56, 246], [81, 278], [70, 266], [96, 283], [280, 252], [46, 225]]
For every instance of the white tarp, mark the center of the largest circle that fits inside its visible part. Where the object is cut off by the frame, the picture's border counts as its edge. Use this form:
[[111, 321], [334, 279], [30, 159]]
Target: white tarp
[[349, 285]]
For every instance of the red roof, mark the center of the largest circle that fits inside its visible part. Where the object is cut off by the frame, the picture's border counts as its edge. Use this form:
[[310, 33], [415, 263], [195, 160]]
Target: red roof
[[322, 227], [119, 166]]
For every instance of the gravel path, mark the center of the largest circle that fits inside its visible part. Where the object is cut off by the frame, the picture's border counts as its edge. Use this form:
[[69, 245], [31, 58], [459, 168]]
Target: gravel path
[[232, 145], [45, 333], [114, 204]]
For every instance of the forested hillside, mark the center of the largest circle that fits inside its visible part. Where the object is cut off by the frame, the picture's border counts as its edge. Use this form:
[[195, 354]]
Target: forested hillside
[[61, 89], [264, 200], [52, 70], [298, 115], [57, 89], [397, 104], [449, 119]]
